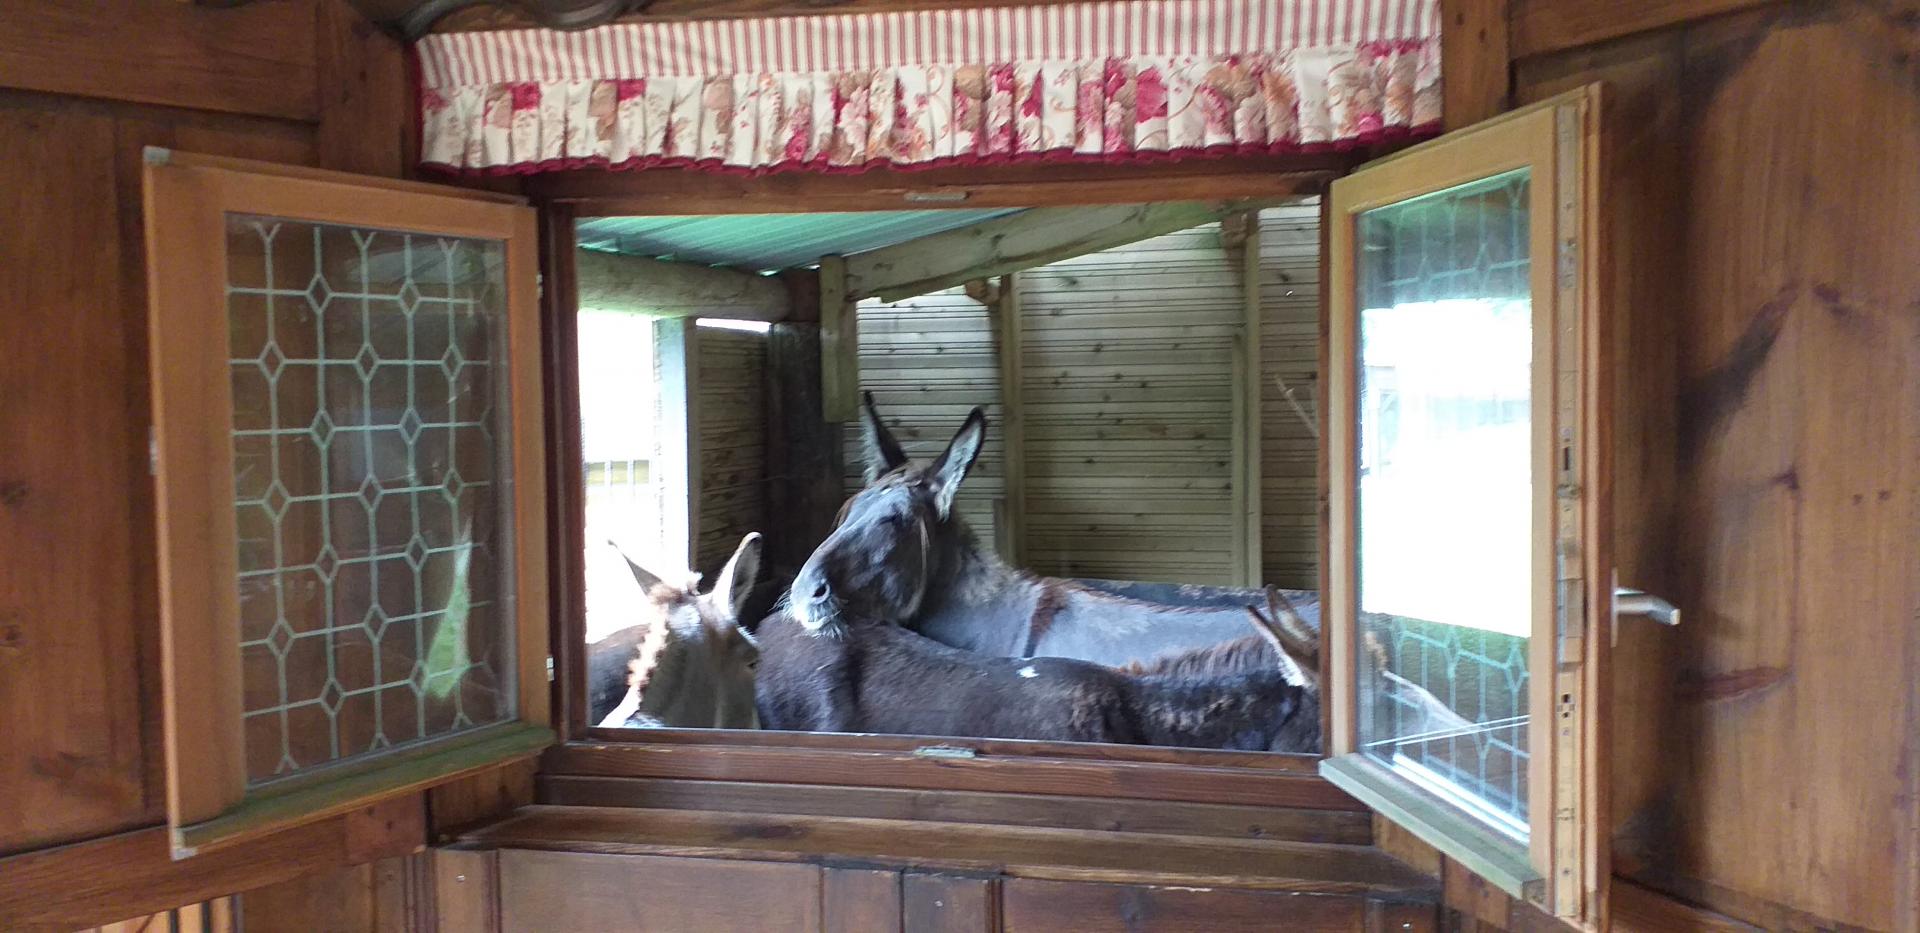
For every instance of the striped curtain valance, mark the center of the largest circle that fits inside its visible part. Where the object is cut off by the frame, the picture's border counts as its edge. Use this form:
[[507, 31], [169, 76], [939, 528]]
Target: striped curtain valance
[[1116, 81]]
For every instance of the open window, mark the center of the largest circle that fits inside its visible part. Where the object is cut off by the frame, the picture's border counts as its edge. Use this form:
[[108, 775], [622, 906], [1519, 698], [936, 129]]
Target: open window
[[1467, 442], [351, 489]]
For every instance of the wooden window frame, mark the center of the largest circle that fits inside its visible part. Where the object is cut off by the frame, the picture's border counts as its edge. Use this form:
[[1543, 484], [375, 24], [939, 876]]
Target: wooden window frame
[[1142, 772], [1561, 867], [187, 198]]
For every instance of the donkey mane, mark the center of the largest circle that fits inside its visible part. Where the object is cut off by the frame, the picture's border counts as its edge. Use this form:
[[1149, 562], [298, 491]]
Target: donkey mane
[[1240, 656], [659, 633]]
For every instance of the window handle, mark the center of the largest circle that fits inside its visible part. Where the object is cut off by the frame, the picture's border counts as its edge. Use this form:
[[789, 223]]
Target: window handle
[[1630, 602]]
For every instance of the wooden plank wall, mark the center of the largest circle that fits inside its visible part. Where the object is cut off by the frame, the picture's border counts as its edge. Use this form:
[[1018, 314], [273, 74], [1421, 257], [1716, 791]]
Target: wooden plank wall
[[1128, 368], [928, 361], [730, 420], [1290, 349]]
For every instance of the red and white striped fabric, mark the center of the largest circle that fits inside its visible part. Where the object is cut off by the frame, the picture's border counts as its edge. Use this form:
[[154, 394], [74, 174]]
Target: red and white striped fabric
[[1138, 79]]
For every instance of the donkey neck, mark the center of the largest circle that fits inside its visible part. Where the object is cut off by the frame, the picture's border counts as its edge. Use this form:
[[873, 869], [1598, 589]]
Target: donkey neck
[[975, 602]]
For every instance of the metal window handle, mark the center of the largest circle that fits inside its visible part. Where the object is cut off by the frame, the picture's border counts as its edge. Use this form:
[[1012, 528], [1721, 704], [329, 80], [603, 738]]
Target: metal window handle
[[1630, 602]]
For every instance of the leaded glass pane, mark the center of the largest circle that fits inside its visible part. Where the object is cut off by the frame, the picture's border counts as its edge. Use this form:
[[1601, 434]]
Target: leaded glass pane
[[371, 488], [1445, 493]]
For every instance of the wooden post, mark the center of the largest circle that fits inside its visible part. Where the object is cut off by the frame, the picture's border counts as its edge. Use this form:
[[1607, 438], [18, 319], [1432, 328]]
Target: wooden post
[[1474, 57], [1003, 306], [804, 457], [677, 372], [839, 344], [1240, 234]]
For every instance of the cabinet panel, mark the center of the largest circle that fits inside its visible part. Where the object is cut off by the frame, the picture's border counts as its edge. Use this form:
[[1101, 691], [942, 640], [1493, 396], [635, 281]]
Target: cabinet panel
[[860, 900], [554, 892], [1032, 906], [948, 904]]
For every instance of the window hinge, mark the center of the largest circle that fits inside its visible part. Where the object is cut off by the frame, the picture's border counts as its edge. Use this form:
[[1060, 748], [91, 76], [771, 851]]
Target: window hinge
[[1571, 621], [153, 451], [549, 668]]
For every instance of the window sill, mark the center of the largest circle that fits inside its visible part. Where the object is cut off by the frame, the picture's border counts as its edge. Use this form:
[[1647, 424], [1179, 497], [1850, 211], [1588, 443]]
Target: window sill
[[331, 791], [1502, 861]]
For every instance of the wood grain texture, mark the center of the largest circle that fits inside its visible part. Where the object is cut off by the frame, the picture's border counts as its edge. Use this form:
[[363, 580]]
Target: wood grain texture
[[1033, 906], [805, 482], [941, 903], [1473, 56], [660, 288], [1026, 774], [860, 900], [362, 94], [731, 422], [558, 892], [134, 873], [71, 758], [466, 890], [465, 802], [1769, 371], [1060, 812], [1012, 850], [258, 59], [1540, 27], [674, 192]]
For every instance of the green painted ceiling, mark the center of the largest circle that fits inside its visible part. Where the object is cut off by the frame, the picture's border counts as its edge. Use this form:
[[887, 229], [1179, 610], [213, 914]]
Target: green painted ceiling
[[767, 242]]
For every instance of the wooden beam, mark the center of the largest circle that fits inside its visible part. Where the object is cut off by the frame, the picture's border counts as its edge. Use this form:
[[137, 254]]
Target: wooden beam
[[256, 59], [1474, 57], [1240, 234], [1015, 242], [1541, 27], [804, 468], [839, 344], [1004, 309], [617, 282], [363, 95]]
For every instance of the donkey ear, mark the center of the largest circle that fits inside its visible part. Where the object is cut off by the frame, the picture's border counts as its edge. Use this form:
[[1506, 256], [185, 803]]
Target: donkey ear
[[641, 575], [883, 452], [947, 472], [739, 576]]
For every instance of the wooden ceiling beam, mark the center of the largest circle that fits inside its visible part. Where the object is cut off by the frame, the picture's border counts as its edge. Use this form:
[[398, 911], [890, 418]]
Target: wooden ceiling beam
[[1019, 241], [617, 282]]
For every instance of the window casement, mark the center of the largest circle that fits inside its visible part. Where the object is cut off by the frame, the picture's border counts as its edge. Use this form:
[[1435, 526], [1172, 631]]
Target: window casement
[[1467, 446], [350, 471]]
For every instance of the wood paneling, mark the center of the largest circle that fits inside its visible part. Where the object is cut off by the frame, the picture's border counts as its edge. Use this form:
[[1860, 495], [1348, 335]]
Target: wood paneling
[[1473, 56], [1061, 812], [373, 897], [1016, 851], [730, 419], [1033, 906], [134, 873], [1127, 357], [257, 59], [929, 360], [860, 900], [466, 890], [1767, 387], [557, 892], [71, 704], [1290, 312], [1539, 27], [361, 90], [941, 903]]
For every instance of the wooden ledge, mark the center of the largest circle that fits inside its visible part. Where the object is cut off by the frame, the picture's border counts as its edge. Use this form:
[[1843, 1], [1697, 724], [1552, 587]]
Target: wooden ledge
[[1014, 851]]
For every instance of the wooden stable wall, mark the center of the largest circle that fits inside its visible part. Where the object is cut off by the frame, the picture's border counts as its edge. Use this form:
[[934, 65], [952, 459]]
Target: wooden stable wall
[[1760, 173], [1290, 304], [928, 361], [730, 437], [83, 87]]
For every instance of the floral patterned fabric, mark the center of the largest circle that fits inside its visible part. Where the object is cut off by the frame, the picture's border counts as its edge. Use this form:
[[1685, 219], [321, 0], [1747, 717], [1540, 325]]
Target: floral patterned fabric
[[1102, 81]]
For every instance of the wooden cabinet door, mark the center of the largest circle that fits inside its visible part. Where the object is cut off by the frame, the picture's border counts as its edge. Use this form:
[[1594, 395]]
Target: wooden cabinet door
[[1035, 906], [557, 892]]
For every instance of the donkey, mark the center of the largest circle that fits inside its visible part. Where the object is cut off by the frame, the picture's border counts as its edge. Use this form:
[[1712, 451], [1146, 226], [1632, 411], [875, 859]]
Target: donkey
[[864, 676], [691, 663], [900, 553]]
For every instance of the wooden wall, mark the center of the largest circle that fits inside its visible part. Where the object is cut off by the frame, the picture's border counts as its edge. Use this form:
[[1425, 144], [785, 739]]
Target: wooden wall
[[83, 87], [928, 361], [1290, 349], [730, 436], [1767, 319], [1128, 385]]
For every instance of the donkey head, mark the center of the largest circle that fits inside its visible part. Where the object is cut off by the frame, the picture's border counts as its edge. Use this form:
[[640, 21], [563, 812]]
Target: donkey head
[[695, 664], [893, 536]]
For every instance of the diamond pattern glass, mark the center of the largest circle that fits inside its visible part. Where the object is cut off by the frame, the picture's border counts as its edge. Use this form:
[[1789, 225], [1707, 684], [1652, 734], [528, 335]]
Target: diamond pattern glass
[[1446, 492], [370, 488]]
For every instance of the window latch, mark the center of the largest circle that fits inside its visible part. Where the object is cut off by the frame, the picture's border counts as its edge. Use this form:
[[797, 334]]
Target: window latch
[[1629, 602]]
